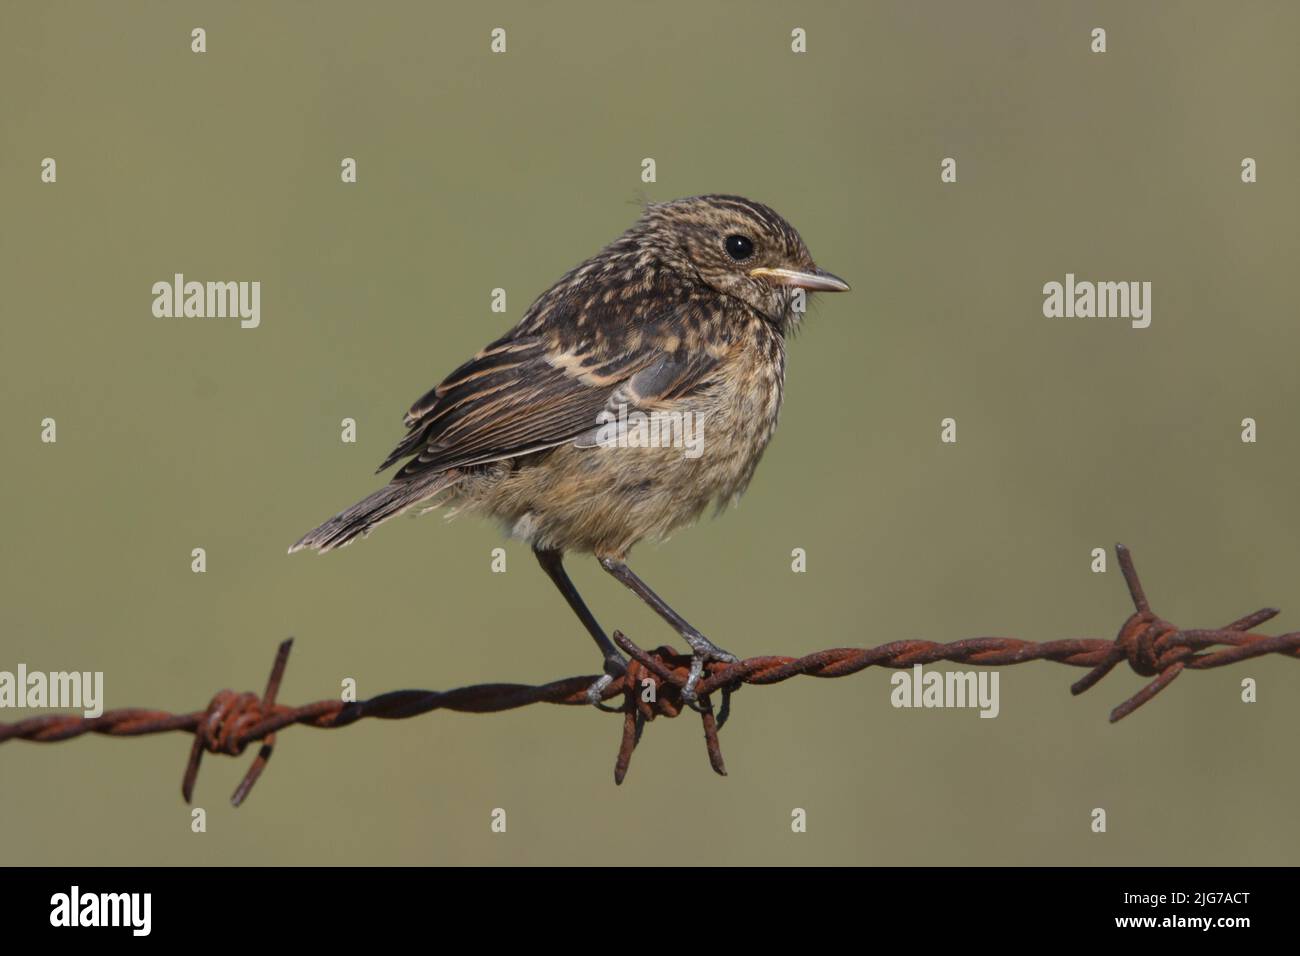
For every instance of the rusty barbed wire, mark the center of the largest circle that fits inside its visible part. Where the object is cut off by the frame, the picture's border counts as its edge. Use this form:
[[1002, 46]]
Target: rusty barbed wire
[[1152, 646]]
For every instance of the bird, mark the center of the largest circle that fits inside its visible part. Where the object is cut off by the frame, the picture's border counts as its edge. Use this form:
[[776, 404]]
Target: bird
[[638, 390]]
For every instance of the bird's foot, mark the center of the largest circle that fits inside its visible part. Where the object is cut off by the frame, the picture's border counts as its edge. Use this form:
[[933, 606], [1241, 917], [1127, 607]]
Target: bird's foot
[[615, 667], [703, 651]]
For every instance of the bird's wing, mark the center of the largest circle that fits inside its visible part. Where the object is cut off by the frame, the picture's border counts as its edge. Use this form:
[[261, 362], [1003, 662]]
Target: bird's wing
[[524, 394]]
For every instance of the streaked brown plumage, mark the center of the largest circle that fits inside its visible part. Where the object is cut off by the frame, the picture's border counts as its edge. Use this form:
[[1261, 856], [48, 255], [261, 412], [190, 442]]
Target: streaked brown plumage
[[686, 312]]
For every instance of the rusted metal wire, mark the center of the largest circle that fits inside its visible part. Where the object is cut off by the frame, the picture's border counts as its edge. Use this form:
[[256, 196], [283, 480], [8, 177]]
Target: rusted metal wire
[[651, 688]]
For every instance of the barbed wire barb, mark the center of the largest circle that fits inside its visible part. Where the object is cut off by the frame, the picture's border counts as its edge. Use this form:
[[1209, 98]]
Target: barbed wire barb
[[653, 682]]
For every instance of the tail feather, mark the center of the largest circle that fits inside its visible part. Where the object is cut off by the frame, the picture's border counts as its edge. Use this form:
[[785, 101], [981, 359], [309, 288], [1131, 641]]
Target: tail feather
[[373, 510]]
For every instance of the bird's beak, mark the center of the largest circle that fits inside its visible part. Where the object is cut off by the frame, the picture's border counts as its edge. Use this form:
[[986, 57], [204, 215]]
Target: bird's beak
[[818, 281]]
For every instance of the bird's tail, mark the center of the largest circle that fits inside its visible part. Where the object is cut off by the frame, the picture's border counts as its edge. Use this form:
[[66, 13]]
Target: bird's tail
[[371, 511]]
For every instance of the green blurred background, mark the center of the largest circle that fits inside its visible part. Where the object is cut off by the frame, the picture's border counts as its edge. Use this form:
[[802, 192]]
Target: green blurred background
[[480, 170]]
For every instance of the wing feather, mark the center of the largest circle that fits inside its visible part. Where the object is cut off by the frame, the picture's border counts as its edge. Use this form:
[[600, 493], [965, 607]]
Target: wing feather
[[527, 397]]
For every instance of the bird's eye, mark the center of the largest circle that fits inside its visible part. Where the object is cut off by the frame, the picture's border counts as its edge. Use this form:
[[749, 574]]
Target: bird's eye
[[739, 248]]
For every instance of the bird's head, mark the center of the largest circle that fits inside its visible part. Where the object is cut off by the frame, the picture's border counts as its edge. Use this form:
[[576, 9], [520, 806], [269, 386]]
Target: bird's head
[[740, 248]]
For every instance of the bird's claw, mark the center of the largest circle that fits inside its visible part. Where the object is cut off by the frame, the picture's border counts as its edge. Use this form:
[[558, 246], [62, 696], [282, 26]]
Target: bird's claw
[[702, 655], [615, 667]]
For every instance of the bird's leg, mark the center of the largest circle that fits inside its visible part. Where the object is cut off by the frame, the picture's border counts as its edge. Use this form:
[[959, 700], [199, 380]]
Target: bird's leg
[[703, 650], [552, 562]]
